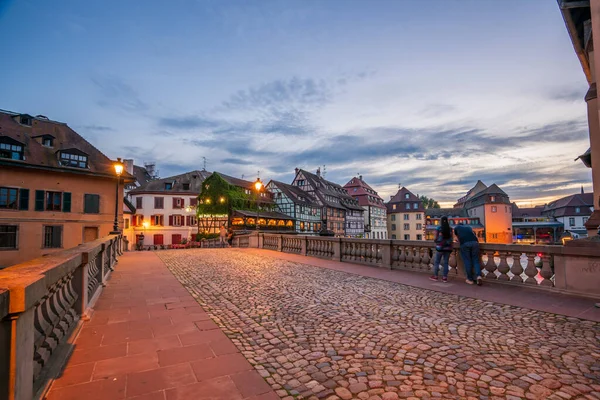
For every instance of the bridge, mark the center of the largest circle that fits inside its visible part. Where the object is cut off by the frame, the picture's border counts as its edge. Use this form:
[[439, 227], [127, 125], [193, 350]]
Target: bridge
[[291, 317]]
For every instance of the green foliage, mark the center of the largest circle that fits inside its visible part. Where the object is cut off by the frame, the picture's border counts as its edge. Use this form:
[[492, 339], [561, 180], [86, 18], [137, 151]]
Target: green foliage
[[429, 203], [200, 236], [219, 197]]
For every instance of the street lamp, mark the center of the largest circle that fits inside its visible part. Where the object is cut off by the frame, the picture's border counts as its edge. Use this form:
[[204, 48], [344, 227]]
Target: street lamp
[[258, 185], [118, 165]]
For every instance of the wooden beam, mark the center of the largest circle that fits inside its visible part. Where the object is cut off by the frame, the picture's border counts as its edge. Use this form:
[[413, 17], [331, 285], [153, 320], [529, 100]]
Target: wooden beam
[[574, 4]]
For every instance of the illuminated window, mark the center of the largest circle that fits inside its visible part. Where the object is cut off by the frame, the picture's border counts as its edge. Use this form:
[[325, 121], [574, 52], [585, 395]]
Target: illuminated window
[[73, 158], [11, 149]]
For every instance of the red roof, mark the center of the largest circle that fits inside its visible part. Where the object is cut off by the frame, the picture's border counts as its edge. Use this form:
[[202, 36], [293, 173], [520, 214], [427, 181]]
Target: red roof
[[364, 193]]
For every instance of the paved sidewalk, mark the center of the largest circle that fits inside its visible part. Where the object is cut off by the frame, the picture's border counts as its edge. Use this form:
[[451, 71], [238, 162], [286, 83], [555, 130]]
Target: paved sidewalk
[[520, 296], [149, 339]]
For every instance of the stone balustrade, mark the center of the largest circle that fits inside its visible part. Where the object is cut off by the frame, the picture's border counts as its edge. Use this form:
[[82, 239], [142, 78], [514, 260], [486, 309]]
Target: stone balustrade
[[563, 269], [42, 303]]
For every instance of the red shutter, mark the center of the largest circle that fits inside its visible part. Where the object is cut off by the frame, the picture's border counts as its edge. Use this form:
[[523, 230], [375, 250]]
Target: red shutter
[[182, 202], [188, 220], [152, 219], [170, 220], [174, 202], [162, 220], [193, 202]]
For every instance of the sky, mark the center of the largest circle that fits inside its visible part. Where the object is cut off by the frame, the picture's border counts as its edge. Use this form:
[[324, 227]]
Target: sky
[[429, 95]]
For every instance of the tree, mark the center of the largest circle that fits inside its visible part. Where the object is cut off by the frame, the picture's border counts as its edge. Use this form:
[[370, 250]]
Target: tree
[[429, 203]]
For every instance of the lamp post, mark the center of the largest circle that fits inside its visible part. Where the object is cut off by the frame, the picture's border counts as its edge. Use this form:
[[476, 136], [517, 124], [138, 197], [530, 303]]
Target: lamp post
[[257, 185], [118, 165]]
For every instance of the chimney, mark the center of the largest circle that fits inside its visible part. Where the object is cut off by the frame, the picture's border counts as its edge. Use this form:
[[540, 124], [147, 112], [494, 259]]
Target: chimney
[[296, 170], [128, 166], [582, 190], [319, 172], [360, 177]]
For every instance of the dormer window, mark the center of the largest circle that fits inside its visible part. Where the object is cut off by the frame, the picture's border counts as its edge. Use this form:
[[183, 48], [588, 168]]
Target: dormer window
[[168, 186], [48, 142], [11, 149], [25, 120], [73, 158], [186, 186], [406, 196]]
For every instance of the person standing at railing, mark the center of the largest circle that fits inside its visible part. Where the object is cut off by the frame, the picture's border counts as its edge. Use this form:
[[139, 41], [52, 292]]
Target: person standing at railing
[[469, 251], [230, 237], [223, 236], [443, 247]]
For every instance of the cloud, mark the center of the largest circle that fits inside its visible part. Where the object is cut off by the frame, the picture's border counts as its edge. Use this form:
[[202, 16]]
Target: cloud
[[568, 95], [115, 93], [236, 161], [97, 128], [188, 122]]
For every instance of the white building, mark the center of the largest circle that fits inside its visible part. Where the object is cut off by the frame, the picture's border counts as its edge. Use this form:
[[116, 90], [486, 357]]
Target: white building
[[573, 211], [165, 210]]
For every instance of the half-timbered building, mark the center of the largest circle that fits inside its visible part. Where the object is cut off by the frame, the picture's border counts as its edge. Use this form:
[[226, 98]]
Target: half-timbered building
[[298, 204]]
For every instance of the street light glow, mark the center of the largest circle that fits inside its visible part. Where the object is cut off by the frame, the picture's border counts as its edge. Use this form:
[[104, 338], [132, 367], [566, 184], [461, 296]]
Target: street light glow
[[258, 185], [118, 167]]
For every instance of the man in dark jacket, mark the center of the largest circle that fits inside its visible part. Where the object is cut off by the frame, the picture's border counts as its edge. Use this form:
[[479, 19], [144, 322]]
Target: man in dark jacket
[[469, 251]]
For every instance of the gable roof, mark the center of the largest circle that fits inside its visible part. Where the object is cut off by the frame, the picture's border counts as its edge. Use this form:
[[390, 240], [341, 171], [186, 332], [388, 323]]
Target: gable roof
[[297, 195], [401, 198], [566, 206], [193, 178], [65, 139], [324, 187], [358, 188], [236, 181]]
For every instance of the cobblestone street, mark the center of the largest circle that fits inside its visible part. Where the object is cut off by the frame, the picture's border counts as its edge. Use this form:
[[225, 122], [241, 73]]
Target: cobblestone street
[[315, 333]]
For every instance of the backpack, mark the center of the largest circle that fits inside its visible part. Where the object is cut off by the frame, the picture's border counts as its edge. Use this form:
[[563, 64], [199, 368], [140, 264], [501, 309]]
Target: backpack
[[442, 244]]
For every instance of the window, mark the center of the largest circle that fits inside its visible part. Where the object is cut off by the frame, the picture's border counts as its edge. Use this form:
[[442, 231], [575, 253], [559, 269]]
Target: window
[[577, 210], [393, 237], [138, 220], [302, 226], [494, 208], [53, 237], [53, 201], [406, 217], [407, 206], [168, 186], [126, 223], [178, 202], [48, 142], [176, 220], [159, 202], [192, 220], [138, 202], [393, 217], [158, 239], [8, 236], [73, 160], [571, 221], [11, 149], [419, 227], [176, 239], [25, 120], [157, 220], [492, 198], [419, 237], [393, 227], [407, 196], [8, 198], [193, 201], [585, 220], [494, 236], [186, 186], [300, 182], [419, 216], [416, 206], [406, 237], [406, 227], [339, 226], [91, 203], [393, 206]]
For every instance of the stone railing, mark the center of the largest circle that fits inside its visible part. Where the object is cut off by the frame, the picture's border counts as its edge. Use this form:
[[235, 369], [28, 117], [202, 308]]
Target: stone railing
[[42, 303], [559, 268]]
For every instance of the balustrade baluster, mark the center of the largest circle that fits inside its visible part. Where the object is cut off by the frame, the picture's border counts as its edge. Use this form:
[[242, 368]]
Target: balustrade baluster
[[531, 271], [503, 267], [425, 260], [546, 271], [407, 250], [517, 268], [395, 255], [453, 263], [364, 252], [416, 264], [490, 265]]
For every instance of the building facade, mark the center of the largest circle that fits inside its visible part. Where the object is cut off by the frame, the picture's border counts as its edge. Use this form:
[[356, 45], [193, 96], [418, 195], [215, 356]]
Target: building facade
[[375, 215], [341, 214], [530, 226], [572, 211], [493, 208], [56, 190], [299, 205], [165, 209], [456, 216], [405, 216]]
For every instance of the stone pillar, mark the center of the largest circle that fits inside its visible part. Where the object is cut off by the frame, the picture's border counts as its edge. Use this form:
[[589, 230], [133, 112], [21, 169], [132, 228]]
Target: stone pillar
[[280, 243], [102, 256], [303, 245], [80, 284], [337, 249], [386, 255]]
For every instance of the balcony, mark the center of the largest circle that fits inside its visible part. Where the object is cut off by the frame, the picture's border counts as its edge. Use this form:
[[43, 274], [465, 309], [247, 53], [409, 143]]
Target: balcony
[[240, 323]]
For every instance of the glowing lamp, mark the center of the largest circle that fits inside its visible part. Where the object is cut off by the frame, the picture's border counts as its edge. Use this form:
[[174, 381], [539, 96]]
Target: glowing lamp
[[258, 185]]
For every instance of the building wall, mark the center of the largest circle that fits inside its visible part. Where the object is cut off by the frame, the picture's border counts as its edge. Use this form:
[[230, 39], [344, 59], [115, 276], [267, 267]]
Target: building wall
[[594, 110], [30, 223], [148, 210], [498, 223], [377, 221], [414, 231], [573, 222], [335, 220], [355, 223]]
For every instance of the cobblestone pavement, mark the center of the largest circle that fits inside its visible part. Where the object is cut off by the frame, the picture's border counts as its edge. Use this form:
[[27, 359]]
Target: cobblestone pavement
[[314, 333]]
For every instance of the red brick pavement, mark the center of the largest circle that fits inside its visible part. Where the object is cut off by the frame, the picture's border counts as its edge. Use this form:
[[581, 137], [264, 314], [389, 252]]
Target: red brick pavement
[[149, 339]]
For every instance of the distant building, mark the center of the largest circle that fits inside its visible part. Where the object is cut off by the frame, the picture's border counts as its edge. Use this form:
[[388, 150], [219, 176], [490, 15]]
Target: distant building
[[142, 175], [375, 212], [493, 208], [341, 214], [165, 209], [56, 189], [405, 216], [572, 211], [530, 226], [299, 205], [455, 216]]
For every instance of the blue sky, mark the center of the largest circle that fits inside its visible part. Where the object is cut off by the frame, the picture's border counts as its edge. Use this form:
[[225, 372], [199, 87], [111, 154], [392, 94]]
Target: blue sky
[[433, 97]]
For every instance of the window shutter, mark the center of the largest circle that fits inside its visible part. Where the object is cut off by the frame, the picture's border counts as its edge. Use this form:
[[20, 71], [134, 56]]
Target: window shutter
[[39, 200], [170, 220], [152, 219], [56, 236], [24, 199], [66, 202], [162, 220], [174, 202], [188, 220], [182, 202]]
